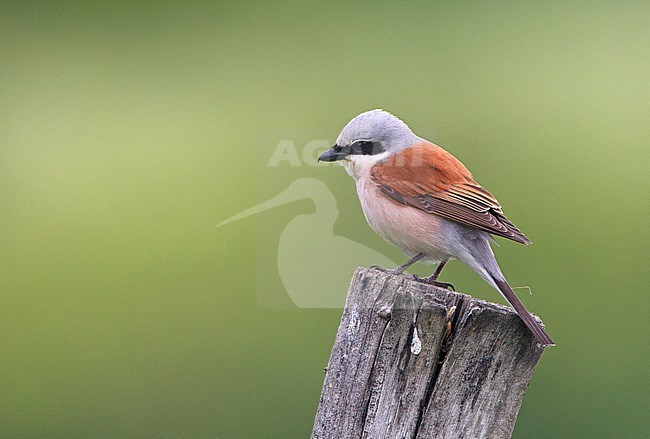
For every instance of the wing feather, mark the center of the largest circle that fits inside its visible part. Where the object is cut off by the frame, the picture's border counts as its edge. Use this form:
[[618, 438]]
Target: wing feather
[[429, 178]]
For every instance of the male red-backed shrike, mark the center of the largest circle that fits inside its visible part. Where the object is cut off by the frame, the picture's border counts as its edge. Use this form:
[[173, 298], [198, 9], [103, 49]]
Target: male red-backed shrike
[[421, 199]]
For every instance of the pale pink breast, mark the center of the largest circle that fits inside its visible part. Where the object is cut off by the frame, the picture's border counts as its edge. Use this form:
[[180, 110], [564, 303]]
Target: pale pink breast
[[410, 230]]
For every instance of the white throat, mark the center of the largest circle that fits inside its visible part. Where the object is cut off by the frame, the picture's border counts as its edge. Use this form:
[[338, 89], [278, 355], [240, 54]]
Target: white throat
[[358, 165]]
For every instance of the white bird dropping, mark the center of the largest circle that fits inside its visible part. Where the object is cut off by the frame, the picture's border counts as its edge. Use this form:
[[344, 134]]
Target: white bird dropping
[[416, 344]]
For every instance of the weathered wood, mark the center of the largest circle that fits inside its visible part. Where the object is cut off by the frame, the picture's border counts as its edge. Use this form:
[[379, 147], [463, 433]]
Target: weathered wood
[[412, 360]]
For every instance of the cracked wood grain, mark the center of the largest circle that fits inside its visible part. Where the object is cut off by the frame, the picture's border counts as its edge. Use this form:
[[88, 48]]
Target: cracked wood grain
[[396, 371]]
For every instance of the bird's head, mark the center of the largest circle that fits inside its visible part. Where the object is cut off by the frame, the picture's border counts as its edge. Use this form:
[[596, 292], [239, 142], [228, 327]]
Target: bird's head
[[368, 138]]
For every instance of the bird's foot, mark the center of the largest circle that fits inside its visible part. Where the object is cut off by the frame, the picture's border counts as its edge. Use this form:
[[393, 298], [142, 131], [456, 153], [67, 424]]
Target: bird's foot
[[430, 281], [387, 270]]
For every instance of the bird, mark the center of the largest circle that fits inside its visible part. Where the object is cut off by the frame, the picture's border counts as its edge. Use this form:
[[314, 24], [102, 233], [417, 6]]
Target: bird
[[424, 201], [296, 254]]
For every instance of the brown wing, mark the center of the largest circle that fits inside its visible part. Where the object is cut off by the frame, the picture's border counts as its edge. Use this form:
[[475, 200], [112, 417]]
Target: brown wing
[[427, 177]]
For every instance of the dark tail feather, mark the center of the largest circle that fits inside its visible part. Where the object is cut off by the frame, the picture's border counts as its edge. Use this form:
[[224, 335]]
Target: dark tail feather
[[532, 324]]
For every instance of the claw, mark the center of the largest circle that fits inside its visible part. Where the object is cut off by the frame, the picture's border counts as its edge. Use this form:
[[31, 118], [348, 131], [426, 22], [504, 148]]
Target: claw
[[387, 270], [377, 267], [445, 285], [428, 280]]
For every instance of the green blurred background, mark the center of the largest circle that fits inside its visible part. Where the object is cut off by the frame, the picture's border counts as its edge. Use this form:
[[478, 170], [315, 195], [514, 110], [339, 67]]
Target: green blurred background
[[129, 129]]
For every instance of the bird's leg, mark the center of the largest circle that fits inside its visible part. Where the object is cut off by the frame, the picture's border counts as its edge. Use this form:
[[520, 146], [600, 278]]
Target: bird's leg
[[401, 268], [408, 263], [433, 279], [436, 273]]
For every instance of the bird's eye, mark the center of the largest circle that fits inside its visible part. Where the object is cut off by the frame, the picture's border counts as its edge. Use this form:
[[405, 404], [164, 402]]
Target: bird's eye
[[366, 147]]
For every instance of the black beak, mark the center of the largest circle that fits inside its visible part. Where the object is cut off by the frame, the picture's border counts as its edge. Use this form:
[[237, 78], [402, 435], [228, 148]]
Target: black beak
[[333, 154]]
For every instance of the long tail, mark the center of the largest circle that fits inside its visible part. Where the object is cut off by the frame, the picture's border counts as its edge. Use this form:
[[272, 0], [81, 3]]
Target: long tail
[[483, 262], [532, 324]]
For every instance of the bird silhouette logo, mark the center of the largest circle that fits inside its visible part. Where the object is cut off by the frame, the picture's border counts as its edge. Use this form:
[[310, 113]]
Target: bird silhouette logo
[[310, 280]]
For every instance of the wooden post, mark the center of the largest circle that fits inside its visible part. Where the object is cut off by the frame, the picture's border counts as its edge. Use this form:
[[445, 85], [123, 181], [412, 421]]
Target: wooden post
[[413, 360]]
